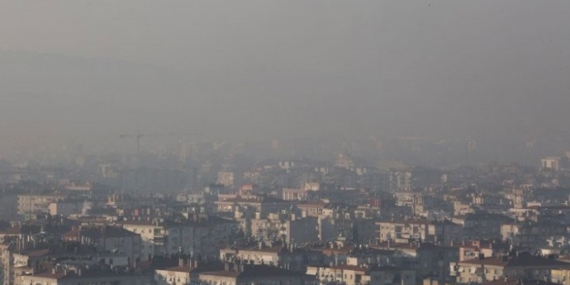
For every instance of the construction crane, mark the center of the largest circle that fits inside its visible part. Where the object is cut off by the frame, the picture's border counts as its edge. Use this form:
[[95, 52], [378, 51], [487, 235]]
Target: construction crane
[[138, 136]]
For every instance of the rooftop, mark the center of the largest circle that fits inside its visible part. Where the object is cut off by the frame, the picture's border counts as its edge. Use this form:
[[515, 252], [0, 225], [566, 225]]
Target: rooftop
[[520, 260], [256, 271]]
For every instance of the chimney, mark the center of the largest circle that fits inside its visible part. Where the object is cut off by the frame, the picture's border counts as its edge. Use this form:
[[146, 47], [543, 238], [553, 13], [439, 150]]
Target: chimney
[[226, 266], [180, 262]]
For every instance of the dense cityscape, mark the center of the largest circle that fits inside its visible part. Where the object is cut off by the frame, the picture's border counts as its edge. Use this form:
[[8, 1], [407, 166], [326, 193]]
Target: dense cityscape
[[292, 142], [210, 213]]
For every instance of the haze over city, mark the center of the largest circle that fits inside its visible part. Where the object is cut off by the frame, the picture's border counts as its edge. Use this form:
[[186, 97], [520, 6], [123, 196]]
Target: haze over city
[[262, 142], [86, 71]]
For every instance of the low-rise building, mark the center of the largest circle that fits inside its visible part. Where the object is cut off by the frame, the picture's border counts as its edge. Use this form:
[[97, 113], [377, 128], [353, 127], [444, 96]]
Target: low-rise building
[[522, 265], [86, 278], [243, 274], [187, 272], [364, 274]]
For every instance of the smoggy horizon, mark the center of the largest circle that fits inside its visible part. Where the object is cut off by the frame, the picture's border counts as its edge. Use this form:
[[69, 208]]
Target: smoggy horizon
[[87, 71]]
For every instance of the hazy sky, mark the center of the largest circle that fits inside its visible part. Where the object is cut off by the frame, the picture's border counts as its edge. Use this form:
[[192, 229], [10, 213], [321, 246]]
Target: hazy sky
[[473, 69]]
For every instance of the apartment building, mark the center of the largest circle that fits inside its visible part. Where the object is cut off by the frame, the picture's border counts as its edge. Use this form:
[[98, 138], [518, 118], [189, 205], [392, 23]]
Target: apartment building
[[402, 231], [108, 239], [201, 236], [516, 265], [36, 203]]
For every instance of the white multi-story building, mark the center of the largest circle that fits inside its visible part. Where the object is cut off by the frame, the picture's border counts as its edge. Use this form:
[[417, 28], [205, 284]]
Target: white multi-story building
[[552, 163], [445, 232], [289, 228], [36, 203]]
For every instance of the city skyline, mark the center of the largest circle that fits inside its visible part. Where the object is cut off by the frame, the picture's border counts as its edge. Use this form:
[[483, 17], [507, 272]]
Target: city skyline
[[88, 71]]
